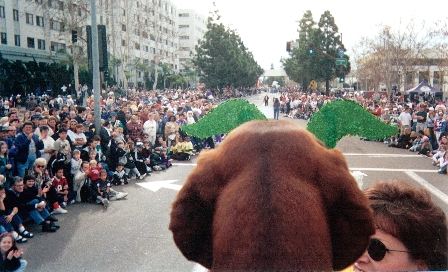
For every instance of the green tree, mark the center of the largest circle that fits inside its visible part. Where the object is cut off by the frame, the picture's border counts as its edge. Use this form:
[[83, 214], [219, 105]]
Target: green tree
[[314, 57], [223, 60]]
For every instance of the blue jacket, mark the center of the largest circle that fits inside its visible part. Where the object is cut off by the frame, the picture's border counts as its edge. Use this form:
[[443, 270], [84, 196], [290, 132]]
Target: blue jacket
[[444, 126], [22, 144]]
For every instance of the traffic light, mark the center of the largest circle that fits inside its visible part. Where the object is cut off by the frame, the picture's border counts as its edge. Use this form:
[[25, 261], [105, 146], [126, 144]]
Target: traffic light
[[74, 36]]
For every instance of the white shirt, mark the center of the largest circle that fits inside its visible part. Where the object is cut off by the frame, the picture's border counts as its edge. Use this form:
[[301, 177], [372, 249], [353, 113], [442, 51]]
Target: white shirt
[[150, 127], [48, 143], [405, 118]]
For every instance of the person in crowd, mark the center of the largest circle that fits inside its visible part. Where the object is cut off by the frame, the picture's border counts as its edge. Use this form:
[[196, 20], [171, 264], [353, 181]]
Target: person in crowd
[[81, 178], [28, 146], [421, 117], [60, 184], [119, 176], [6, 164], [402, 213], [6, 226], [150, 128], [48, 149], [183, 150], [11, 256], [171, 128], [134, 128], [27, 206], [43, 183]]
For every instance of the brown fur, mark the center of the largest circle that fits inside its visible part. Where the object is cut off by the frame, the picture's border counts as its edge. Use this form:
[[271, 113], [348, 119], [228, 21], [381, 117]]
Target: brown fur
[[271, 198]]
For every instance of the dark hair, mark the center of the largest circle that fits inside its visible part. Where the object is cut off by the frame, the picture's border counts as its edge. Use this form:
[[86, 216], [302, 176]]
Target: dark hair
[[408, 213], [42, 128], [29, 177], [27, 123], [62, 130]]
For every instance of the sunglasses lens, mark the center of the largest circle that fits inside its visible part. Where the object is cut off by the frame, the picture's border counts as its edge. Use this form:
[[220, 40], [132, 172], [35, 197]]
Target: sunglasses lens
[[377, 250]]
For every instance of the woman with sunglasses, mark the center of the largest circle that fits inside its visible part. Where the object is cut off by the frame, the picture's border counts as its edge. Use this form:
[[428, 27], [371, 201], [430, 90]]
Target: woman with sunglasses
[[411, 231]]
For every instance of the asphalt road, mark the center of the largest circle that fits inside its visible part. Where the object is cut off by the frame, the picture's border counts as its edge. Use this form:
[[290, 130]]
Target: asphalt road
[[132, 235]]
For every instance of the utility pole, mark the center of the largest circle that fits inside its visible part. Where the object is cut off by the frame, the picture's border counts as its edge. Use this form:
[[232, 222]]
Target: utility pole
[[96, 68]]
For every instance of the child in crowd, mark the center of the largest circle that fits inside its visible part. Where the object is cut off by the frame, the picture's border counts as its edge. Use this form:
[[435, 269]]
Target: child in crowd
[[95, 171], [60, 184], [102, 189], [112, 194], [183, 149], [126, 159], [75, 162], [119, 176], [426, 147], [11, 256], [142, 162], [417, 143]]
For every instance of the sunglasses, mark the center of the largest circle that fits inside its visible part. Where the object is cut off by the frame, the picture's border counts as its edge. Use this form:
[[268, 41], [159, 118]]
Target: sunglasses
[[377, 250], [41, 166]]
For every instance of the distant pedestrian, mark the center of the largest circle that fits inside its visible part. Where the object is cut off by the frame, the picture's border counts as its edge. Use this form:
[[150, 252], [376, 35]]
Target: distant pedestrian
[[276, 108], [266, 100]]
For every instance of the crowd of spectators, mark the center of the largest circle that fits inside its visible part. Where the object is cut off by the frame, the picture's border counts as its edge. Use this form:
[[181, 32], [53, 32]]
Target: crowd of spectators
[[422, 120], [52, 157]]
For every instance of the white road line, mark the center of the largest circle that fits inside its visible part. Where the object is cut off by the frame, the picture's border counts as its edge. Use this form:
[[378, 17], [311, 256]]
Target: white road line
[[439, 194], [199, 268], [388, 155], [356, 169], [392, 170]]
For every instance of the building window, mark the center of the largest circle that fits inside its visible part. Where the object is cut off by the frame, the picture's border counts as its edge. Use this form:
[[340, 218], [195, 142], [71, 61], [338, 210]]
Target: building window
[[30, 42], [29, 19], [40, 21], [56, 47], [123, 27], [137, 46], [61, 5], [15, 14], [124, 12], [3, 38], [184, 14], [184, 37], [55, 25], [17, 40], [123, 42], [41, 44], [38, 1], [2, 12], [184, 26], [146, 48]]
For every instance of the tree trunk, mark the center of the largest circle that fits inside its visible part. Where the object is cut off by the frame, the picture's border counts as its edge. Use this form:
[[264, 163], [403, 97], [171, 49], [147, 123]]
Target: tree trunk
[[76, 74], [327, 87]]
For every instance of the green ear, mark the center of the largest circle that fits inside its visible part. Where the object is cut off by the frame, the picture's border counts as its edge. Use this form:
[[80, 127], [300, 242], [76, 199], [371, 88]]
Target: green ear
[[343, 117], [223, 119]]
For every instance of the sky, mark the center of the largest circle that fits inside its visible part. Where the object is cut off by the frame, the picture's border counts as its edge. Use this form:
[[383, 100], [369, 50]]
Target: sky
[[265, 26]]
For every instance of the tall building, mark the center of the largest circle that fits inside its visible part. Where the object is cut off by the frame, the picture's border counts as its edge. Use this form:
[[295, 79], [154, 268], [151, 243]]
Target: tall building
[[29, 32], [192, 27], [141, 34]]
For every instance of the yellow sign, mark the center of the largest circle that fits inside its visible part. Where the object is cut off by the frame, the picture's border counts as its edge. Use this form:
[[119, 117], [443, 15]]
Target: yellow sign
[[313, 85]]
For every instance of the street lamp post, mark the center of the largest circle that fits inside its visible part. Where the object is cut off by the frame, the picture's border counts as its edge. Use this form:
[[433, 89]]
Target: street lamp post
[[96, 67]]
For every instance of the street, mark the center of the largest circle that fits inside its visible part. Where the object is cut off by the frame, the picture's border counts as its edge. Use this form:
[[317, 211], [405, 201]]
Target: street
[[133, 235]]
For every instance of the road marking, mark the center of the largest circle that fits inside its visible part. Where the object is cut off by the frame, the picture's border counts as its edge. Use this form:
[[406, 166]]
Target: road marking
[[439, 194], [356, 169], [388, 155], [157, 185], [392, 170], [199, 268], [185, 164]]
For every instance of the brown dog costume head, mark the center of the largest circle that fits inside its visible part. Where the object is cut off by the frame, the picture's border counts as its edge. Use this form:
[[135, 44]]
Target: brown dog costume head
[[271, 198]]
